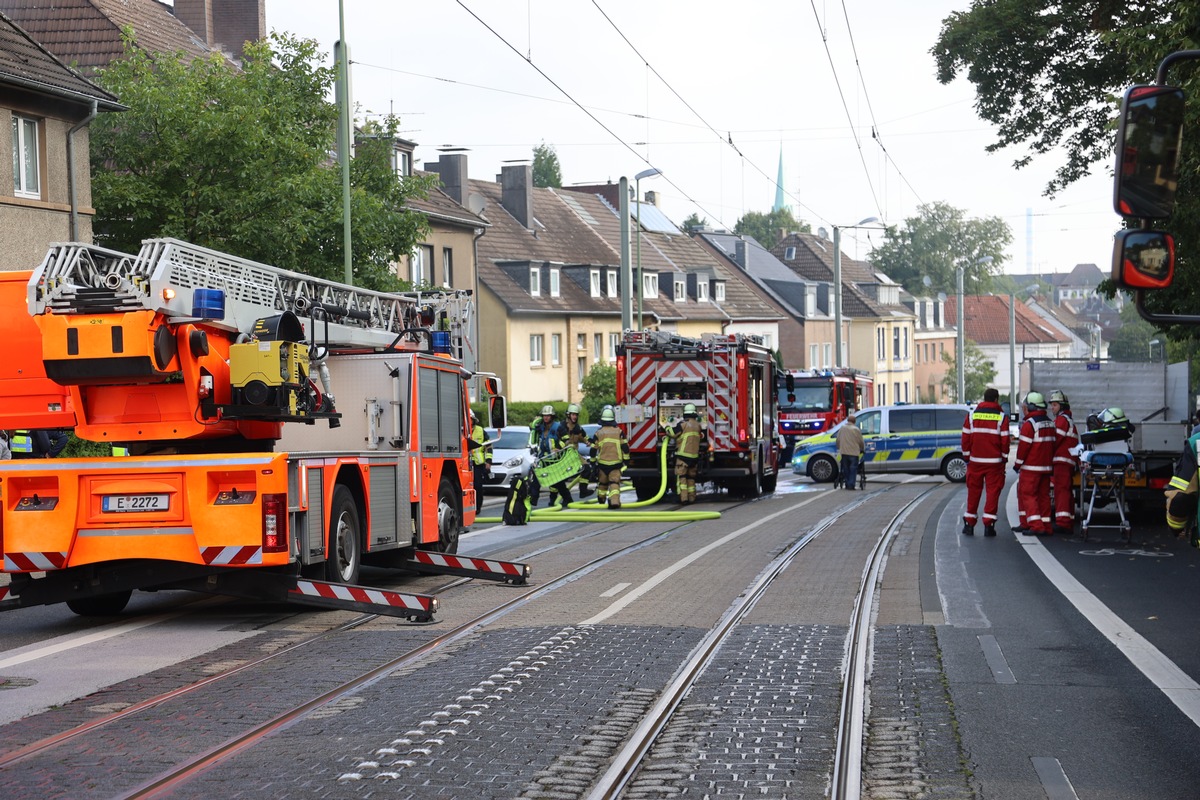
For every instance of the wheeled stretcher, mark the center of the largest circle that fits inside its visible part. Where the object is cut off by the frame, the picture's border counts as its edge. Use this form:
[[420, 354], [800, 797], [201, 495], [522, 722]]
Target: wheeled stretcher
[[1102, 481]]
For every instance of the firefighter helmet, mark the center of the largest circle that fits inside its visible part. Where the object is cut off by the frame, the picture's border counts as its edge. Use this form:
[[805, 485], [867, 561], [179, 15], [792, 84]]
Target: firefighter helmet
[[689, 408], [547, 410], [1035, 400], [1057, 396], [607, 415], [1113, 416], [573, 408], [473, 417]]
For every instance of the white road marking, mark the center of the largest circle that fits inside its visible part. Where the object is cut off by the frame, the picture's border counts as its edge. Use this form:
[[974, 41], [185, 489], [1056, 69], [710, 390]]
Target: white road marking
[[616, 590]]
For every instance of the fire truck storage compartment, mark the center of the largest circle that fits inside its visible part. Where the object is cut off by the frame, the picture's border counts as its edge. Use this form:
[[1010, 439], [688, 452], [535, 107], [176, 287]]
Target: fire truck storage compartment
[[674, 395]]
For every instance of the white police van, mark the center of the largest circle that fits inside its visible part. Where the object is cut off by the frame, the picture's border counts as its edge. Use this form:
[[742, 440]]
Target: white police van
[[920, 438]]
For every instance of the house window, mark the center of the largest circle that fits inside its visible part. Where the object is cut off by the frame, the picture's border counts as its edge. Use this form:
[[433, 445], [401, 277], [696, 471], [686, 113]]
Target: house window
[[813, 355], [535, 281], [789, 253], [719, 291], [594, 279], [614, 340], [828, 358], [581, 341], [612, 283], [422, 265], [880, 346], [896, 345], [580, 371], [447, 267], [554, 282], [597, 346], [650, 285], [27, 178], [556, 349], [536, 344], [680, 290], [702, 291], [883, 394], [896, 391], [402, 163], [906, 342]]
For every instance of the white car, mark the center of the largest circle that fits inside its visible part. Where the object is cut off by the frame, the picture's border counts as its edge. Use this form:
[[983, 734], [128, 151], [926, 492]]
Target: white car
[[510, 455]]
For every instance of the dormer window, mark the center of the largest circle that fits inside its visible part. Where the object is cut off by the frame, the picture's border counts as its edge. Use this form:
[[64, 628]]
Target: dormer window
[[680, 290], [594, 281], [612, 283], [789, 253], [702, 291], [719, 291], [650, 285], [535, 281], [554, 282]]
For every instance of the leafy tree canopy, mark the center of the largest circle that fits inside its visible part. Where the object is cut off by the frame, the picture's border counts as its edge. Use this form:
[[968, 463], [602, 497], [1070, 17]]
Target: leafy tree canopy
[[1050, 74], [935, 243], [239, 161], [765, 228], [599, 390], [980, 374], [1132, 341], [694, 221], [547, 172]]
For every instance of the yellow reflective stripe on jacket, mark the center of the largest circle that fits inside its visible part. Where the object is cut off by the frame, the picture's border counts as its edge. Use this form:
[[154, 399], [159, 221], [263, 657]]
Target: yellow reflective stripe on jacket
[[21, 442], [478, 435], [1178, 483], [689, 439]]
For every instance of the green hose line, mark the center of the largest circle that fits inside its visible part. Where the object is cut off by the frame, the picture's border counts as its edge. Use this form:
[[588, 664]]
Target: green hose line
[[662, 487]]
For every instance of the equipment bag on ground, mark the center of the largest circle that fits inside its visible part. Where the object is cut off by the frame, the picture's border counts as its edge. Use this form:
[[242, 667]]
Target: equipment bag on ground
[[516, 504]]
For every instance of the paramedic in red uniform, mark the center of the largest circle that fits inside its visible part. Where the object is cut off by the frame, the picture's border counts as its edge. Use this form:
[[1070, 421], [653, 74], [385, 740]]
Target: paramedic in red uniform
[[985, 446], [1065, 463], [1035, 466]]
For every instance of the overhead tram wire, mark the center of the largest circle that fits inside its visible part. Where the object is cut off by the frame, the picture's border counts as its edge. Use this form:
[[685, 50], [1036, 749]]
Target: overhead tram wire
[[727, 139], [581, 107], [837, 81]]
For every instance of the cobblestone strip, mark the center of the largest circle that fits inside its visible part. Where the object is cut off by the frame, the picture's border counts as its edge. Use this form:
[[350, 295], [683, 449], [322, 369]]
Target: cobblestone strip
[[434, 732], [912, 748], [572, 773]]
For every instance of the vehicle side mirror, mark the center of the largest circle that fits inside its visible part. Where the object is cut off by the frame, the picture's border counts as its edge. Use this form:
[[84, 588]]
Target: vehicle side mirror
[[1143, 259], [790, 381], [497, 411], [1149, 135]]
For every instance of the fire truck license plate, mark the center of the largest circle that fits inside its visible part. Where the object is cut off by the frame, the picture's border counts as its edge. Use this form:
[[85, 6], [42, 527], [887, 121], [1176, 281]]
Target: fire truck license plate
[[135, 502]]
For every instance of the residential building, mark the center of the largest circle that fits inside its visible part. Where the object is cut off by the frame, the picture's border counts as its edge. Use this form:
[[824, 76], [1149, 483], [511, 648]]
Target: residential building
[[877, 328], [46, 110], [933, 337]]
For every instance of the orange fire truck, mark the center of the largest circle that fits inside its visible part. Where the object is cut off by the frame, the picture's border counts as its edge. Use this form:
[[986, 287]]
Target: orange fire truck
[[729, 377], [813, 401], [28, 399], [271, 433]]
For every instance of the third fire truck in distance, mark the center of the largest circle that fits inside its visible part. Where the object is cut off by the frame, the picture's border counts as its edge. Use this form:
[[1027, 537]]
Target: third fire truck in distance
[[813, 401], [266, 426], [729, 377]]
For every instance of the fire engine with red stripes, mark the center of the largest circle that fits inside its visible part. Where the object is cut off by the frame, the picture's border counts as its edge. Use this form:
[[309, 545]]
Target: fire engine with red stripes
[[813, 401], [729, 377], [272, 432]]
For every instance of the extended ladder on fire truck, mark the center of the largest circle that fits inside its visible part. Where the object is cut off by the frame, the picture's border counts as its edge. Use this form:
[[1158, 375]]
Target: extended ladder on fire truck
[[83, 278]]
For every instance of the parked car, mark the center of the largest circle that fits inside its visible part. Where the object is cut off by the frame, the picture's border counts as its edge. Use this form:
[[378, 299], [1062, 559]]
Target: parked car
[[921, 439], [510, 455], [585, 447]]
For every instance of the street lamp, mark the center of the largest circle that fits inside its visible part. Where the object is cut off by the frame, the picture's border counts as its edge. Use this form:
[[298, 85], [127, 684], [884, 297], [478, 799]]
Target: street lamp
[[837, 286], [637, 191], [959, 356], [1154, 342]]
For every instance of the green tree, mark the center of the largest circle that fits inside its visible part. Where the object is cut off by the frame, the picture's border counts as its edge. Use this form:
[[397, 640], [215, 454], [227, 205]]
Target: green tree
[[547, 172], [238, 160], [1132, 341], [1048, 74], [935, 242], [765, 228], [599, 390], [980, 373], [694, 221]]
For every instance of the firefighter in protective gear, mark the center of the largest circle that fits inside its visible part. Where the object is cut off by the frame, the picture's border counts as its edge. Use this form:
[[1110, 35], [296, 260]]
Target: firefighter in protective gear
[[985, 445], [481, 458], [689, 443], [610, 454], [546, 439], [1181, 492], [1066, 463], [40, 443], [575, 435], [1035, 467]]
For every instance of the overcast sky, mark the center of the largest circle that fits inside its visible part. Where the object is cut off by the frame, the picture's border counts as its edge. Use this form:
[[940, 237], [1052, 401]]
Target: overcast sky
[[618, 87]]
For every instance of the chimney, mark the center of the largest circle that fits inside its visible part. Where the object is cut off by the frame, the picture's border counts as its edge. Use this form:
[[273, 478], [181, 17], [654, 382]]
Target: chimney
[[739, 253], [652, 199], [452, 169], [224, 24], [516, 185]]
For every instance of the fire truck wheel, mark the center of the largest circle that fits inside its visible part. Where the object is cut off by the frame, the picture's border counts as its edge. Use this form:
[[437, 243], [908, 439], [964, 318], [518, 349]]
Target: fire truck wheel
[[769, 482], [103, 605], [448, 518], [822, 469], [955, 468], [345, 539]]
